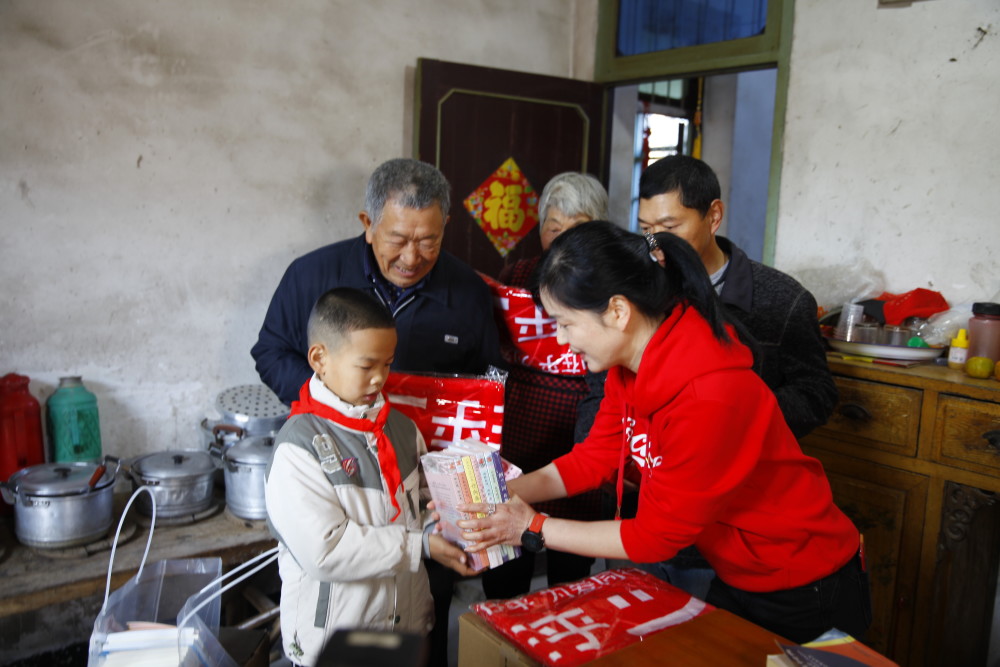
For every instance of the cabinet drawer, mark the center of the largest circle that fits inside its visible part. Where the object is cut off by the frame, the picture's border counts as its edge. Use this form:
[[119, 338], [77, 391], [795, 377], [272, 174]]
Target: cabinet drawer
[[886, 416], [967, 432]]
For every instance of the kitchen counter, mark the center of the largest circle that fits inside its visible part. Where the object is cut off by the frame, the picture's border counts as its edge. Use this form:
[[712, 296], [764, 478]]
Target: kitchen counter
[[31, 579]]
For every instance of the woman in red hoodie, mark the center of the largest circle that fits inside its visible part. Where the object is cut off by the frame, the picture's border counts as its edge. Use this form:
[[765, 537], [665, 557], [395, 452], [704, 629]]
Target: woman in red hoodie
[[719, 467]]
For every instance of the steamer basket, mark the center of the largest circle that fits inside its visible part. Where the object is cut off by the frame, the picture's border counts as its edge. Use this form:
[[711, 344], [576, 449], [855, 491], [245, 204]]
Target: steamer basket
[[253, 407]]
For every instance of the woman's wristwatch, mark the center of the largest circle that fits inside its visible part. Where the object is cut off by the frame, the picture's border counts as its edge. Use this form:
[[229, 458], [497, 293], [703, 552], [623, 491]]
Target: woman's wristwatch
[[532, 539]]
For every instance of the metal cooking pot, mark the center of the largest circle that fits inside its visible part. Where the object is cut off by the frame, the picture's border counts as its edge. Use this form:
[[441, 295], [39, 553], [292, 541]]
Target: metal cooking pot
[[59, 505], [245, 463], [181, 482]]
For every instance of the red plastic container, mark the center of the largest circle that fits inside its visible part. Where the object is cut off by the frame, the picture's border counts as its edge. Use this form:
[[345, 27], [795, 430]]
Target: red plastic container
[[21, 443]]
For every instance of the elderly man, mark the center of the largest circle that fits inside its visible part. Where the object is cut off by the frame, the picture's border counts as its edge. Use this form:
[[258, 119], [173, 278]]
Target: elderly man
[[443, 310]]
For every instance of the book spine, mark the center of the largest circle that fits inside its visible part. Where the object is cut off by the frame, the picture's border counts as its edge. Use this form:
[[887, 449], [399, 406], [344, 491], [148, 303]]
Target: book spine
[[498, 464], [512, 551], [496, 552], [478, 560]]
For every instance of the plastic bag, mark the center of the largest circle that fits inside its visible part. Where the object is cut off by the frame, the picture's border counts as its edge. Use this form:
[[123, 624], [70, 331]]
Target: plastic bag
[[168, 613], [136, 622], [451, 408], [833, 286], [941, 327]]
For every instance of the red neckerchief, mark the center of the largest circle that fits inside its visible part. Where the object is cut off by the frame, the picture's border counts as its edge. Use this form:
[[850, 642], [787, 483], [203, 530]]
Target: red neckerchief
[[386, 453]]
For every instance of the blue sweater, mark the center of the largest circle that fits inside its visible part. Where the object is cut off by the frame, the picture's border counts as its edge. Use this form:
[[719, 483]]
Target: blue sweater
[[448, 326]]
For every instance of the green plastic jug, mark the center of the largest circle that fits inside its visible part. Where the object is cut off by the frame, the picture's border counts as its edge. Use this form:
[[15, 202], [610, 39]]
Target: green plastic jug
[[73, 424]]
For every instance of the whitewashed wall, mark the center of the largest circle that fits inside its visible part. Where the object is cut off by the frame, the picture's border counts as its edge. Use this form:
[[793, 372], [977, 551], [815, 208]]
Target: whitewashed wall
[[892, 146], [162, 162]]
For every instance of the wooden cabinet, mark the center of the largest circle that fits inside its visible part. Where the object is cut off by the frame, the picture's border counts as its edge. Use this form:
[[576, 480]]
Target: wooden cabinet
[[913, 457]]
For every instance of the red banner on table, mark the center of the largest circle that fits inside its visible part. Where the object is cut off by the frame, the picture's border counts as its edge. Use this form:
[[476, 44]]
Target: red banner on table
[[575, 623], [530, 333], [450, 408]]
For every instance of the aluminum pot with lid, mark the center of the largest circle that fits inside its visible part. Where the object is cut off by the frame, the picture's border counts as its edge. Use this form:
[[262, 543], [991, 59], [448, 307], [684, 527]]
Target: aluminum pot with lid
[[245, 463], [58, 505], [180, 480]]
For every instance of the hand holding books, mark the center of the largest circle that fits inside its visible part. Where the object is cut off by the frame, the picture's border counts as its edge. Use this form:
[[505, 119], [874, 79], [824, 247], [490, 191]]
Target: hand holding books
[[504, 525], [469, 473]]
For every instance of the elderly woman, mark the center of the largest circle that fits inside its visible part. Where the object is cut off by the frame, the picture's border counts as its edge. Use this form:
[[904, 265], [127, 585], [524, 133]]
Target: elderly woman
[[540, 408], [720, 467]]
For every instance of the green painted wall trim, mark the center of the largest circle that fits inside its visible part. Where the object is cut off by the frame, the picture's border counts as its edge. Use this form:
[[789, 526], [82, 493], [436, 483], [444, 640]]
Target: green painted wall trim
[[771, 49]]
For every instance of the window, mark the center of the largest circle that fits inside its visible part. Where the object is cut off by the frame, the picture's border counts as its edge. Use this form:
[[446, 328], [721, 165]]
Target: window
[[646, 26]]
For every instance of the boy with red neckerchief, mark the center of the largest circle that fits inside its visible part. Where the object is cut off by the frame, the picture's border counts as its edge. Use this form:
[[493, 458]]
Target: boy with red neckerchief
[[345, 495]]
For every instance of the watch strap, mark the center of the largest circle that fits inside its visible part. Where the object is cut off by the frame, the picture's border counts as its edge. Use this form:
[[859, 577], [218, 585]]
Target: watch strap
[[536, 523]]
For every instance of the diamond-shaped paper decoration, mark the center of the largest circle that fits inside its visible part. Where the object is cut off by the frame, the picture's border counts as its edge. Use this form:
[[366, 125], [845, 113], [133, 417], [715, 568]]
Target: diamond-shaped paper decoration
[[505, 206]]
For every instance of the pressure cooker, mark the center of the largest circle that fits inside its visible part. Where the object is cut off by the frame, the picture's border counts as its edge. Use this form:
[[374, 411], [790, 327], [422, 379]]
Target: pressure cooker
[[58, 505]]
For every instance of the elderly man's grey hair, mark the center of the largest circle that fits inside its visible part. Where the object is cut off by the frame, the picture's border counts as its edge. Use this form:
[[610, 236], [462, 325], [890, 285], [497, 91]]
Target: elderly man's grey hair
[[574, 194], [411, 183]]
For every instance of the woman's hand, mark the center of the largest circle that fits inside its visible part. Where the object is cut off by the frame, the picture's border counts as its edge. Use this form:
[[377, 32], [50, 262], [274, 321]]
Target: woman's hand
[[500, 523]]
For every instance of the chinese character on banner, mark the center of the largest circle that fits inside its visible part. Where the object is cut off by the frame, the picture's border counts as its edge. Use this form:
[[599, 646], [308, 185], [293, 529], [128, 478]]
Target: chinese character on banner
[[529, 334], [450, 408], [575, 623], [505, 206]]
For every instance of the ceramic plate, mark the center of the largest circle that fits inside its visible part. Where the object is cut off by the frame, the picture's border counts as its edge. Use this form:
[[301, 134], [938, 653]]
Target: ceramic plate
[[886, 351]]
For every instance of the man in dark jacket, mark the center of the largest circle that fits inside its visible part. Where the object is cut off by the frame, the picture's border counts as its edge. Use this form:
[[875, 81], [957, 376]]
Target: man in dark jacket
[[443, 310]]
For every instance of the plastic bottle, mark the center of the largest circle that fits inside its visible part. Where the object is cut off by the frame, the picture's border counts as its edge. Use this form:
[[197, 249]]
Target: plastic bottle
[[20, 429], [958, 352], [74, 427], [984, 331]]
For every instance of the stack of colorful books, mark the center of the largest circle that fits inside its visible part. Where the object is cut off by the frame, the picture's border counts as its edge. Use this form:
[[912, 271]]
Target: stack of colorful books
[[468, 472]]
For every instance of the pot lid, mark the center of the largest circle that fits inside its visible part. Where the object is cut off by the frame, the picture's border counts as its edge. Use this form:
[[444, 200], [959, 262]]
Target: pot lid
[[256, 449], [59, 479], [174, 464], [254, 407]]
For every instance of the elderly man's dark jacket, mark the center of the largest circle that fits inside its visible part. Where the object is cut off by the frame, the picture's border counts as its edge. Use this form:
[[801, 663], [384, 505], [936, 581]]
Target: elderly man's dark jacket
[[447, 326]]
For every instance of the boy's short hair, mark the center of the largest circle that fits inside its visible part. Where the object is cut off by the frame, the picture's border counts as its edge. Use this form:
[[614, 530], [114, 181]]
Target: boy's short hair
[[342, 310]]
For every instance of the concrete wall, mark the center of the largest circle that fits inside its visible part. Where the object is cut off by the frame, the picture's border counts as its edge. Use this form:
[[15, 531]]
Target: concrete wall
[[891, 147], [162, 162]]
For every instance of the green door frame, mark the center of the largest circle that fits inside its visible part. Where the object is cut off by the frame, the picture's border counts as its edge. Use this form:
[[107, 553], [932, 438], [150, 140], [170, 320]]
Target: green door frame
[[772, 48]]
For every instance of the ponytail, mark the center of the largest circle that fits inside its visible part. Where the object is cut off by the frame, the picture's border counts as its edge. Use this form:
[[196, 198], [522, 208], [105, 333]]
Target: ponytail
[[686, 272]]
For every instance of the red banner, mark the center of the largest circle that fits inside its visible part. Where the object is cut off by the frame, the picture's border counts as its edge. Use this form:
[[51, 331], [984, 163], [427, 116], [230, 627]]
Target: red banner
[[449, 408], [530, 338], [575, 623]]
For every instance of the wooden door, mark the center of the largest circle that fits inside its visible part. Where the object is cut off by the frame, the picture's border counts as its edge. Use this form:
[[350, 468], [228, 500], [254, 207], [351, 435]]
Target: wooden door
[[470, 120]]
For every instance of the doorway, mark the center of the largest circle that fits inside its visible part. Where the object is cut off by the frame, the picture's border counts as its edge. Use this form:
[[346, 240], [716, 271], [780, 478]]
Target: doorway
[[733, 127]]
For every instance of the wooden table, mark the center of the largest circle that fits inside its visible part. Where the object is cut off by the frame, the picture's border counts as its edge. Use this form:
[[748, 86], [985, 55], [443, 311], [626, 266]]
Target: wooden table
[[31, 580], [712, 639]]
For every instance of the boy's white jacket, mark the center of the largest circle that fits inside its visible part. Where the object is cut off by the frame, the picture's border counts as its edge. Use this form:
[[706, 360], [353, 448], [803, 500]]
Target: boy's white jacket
[[343, 564]]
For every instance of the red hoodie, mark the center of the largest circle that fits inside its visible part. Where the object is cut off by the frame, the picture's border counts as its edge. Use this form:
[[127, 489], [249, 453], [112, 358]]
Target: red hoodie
[[720, 468]]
